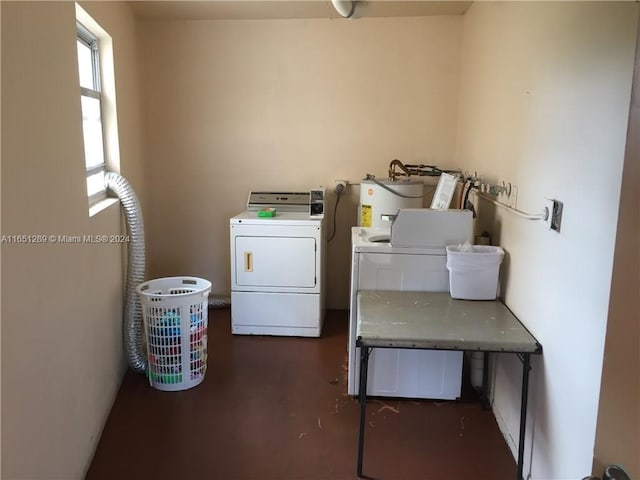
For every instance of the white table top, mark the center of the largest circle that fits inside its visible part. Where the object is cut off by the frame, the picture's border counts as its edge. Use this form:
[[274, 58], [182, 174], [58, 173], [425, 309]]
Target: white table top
[[436, 321]]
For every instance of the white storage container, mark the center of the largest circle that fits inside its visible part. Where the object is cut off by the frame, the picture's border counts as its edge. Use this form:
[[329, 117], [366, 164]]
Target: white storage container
[[473, 275], [174, 310]]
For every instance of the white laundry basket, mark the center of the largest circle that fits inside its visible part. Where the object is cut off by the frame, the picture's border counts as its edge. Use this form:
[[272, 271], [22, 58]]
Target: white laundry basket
[[174, 310], [473, 275]]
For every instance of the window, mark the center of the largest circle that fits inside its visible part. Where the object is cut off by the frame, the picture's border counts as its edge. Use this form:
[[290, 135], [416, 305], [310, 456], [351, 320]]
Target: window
[[92, 113], [98, 104]]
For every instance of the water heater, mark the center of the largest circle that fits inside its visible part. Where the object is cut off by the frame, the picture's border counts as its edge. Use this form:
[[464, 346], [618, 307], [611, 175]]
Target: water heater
[[380, 200]]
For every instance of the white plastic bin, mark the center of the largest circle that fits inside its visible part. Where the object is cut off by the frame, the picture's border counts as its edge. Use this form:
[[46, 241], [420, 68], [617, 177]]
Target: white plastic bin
[[473, 275], [174, 310]]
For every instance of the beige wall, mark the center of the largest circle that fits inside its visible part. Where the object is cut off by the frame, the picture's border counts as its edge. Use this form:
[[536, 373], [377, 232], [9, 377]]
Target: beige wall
[[62, 358], [543, 95], [233, 106], [618, 428], [544, 101]]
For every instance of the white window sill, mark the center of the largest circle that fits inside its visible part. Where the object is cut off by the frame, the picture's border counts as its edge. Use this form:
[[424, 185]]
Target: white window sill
[[101, 205]]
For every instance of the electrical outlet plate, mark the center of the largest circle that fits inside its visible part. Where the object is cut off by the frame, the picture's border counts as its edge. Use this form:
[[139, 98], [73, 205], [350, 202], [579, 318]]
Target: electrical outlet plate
[[337, 183], [548, 209], [553, 209], [556, 216]]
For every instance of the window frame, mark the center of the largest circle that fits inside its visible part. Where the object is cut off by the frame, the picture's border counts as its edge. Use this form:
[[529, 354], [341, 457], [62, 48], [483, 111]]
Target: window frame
[[84, 35]]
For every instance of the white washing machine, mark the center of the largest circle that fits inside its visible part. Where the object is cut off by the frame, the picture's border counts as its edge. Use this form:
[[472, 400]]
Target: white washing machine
[[277, 265], [410, 257]]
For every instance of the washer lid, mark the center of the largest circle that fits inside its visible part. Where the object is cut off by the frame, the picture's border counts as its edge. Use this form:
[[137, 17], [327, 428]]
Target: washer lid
[[372, 240]]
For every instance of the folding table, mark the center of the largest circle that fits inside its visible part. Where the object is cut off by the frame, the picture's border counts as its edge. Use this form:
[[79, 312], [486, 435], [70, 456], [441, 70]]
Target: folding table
[[435, 321]]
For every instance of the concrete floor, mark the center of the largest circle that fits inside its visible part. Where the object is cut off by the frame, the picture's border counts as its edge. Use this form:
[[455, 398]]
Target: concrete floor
[[276, 408]]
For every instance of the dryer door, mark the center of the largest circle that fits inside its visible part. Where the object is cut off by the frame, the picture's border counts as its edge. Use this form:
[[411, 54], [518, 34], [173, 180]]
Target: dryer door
[[280, 262]]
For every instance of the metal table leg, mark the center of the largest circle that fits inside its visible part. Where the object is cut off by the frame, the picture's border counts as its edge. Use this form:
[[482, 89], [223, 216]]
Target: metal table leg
[[486, 404], [523, 412], [364, 366]]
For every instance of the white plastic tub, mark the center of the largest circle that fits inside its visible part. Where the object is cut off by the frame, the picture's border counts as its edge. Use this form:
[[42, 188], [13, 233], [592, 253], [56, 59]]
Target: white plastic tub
[[473, 275]]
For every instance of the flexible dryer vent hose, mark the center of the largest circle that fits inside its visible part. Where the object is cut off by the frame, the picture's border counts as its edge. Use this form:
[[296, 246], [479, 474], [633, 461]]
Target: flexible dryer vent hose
[[132, 328]]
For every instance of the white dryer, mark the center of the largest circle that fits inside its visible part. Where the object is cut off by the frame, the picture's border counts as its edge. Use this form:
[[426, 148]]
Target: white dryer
[[416, 261], [277, 268]]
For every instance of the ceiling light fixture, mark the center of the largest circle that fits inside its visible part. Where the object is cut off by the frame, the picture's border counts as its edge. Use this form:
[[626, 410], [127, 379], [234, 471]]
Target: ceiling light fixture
[[346, 8]]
